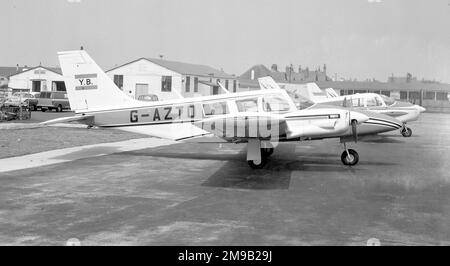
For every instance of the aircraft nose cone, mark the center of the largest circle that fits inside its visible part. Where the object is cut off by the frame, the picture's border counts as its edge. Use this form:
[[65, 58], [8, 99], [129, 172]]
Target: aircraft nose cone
[[361, 118], [420, 108]]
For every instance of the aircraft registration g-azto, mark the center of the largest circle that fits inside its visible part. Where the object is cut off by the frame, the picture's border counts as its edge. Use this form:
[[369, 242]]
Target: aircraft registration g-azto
[[257, 118]]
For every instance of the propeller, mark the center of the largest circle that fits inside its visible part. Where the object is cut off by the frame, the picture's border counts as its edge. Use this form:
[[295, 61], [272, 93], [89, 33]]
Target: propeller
[[352, 122]]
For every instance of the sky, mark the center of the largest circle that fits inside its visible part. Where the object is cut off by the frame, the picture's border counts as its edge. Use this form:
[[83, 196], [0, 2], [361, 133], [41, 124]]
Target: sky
[[357, 39]]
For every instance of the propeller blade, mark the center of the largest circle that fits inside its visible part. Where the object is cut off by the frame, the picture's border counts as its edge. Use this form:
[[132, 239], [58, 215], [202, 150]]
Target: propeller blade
[[355, 131]]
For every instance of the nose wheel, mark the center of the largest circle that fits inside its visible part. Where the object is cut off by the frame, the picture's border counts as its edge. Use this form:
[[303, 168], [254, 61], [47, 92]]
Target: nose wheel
[[349, 156], [406, 132]]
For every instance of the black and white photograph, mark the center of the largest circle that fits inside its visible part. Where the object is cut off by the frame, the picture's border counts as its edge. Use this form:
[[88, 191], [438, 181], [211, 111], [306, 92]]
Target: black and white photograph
[[247, 124]]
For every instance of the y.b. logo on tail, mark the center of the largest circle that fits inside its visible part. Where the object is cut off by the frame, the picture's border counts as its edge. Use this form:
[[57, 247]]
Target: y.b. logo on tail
[[86, 82]]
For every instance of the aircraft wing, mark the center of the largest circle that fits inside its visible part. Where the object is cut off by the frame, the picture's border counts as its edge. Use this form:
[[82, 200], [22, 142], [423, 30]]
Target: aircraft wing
[[85, 119]]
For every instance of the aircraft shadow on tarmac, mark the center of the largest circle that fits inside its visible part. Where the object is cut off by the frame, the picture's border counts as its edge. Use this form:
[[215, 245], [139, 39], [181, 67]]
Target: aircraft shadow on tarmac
[[235, 173], [384, 139]]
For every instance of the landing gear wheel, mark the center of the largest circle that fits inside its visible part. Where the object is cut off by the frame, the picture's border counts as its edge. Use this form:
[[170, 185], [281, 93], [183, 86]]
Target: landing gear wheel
[[59, 109], [351, 159], [266, 152], [257, 164], [406, 132]]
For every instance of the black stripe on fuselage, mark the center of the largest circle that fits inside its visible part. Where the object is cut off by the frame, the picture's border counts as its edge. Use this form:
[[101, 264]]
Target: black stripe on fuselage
[[380, 124], [385, 121], [329, 116]]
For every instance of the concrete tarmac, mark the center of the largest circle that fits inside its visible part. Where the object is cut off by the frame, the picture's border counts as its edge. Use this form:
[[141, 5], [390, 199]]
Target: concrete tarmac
[[205, 194]]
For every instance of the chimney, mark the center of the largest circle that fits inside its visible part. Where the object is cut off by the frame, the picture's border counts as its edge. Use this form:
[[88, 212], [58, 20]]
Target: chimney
[[274, 67], [17, 68], [325, 69], [299, 68]]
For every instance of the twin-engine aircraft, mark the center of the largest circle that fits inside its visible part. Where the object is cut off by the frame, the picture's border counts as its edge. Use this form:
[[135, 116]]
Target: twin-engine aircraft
[[381, 104], [258, 118]]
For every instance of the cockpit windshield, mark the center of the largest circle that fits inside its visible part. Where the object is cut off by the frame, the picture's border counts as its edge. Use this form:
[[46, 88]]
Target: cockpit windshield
[[388, 100], [275, 103], [300, 101]]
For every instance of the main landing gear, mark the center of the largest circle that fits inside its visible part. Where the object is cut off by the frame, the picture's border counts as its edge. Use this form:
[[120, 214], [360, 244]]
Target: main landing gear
[[257, 153], [406, 131], [349, 156]]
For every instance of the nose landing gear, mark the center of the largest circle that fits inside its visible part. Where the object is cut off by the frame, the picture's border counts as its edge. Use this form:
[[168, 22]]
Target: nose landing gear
[[349, 156], [406, 131]]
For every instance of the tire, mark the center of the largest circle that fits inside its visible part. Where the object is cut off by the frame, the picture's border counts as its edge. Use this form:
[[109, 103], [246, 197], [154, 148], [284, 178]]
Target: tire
[[259, 165], [43, 109], [59, 109], [406, 132], [266, 152], [353, 160]]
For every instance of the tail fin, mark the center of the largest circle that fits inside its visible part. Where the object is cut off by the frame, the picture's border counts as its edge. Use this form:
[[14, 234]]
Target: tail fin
[[268, 83], [88, 87]]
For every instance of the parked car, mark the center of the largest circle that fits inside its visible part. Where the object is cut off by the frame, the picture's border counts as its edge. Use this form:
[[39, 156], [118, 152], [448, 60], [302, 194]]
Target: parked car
[[53, 100], [148, 98], [18, 99], [33, 102]]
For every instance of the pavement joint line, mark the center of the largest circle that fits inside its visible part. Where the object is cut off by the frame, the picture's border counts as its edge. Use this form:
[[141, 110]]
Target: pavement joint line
[[79, 152]]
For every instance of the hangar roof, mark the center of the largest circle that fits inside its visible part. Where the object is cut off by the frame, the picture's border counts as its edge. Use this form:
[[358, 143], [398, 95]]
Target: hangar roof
[[11, 71], [185, 68]]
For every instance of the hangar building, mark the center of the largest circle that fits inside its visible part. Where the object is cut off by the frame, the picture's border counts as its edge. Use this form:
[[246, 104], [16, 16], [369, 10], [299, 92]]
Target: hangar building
[[170, 79], [33, 79]]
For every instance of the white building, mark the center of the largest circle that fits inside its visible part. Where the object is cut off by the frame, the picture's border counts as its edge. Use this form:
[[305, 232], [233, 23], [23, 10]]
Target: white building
[[170, 79], [35, 79]]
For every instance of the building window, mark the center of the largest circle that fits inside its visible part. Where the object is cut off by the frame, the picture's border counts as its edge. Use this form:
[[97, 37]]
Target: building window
[[414, 95], [188, 84], [403, 95], [118, 80], [166, 83], [429, 95], [226, 84], [59, 86], [442, 96], [386, 93], [195, 84], [36, 86], [234, 85]]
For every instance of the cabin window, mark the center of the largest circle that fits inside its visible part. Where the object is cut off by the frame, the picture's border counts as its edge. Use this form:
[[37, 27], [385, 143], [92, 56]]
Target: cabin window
[[217, 108], [273, 103], [118, 80], [166, 83], [247, 105], [357, 102], [373, 102]]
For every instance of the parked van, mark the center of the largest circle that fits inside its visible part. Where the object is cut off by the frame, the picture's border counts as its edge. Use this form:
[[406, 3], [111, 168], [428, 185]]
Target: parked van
[[49, 100]]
